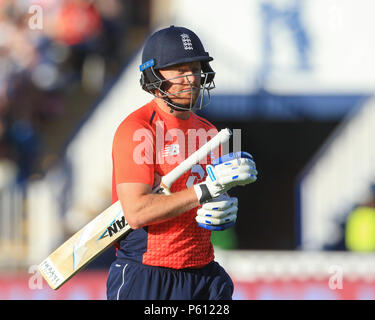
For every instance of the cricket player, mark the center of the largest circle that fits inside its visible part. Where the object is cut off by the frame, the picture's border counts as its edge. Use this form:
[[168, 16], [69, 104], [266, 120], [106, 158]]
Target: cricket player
[[169, 254]]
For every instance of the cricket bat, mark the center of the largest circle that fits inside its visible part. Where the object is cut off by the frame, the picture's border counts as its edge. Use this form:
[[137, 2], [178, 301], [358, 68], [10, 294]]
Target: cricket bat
[[110, 225]]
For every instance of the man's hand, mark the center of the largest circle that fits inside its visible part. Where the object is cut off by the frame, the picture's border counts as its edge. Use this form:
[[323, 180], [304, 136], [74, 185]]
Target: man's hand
[[218, 214], [226, 172]]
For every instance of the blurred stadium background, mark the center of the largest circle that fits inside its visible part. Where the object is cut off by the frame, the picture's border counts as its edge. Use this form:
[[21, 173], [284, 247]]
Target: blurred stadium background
[[296, 76]]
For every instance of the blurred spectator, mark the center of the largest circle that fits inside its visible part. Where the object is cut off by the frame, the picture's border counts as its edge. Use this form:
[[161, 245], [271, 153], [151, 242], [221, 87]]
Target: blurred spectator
[[360, 226], [81, 46], [77, 21]]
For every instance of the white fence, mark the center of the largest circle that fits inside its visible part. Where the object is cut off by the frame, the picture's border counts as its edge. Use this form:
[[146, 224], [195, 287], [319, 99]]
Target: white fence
[[12, 218], [246, 265]]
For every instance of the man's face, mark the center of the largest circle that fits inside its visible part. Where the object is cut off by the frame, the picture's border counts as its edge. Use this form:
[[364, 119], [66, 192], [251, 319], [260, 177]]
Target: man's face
[[184, 83]]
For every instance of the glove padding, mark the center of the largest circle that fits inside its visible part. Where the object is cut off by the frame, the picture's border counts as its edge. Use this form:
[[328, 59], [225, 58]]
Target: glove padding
[[231, 170], [218, 214]]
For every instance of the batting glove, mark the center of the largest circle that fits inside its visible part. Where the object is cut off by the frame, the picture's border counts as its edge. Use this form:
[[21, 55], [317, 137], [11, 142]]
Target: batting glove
[[226, 172], [218, 214]]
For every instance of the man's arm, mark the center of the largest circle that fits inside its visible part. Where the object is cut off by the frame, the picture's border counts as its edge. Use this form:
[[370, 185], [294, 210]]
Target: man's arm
[[141, 207]]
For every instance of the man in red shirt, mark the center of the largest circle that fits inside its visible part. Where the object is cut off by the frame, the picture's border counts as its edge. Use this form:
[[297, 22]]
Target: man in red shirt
[[169, 254]]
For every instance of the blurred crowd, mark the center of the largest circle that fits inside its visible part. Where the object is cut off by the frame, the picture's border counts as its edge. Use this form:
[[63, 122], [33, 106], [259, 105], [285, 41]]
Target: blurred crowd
[[48, 47]]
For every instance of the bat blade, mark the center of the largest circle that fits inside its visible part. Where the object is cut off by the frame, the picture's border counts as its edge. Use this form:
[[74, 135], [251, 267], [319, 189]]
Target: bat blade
[[109, 226], [84, 246]]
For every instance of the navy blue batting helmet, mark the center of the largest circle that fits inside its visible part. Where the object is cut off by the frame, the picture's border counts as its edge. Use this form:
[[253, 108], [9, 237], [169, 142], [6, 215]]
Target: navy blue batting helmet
[[173, 46]]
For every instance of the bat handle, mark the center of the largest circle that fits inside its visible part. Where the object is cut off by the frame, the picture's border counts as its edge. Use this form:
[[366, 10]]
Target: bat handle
[[222, 137], [167, 181]]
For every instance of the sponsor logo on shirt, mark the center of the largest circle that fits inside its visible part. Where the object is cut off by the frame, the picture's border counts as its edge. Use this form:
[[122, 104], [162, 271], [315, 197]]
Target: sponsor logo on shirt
[[171, 150]]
